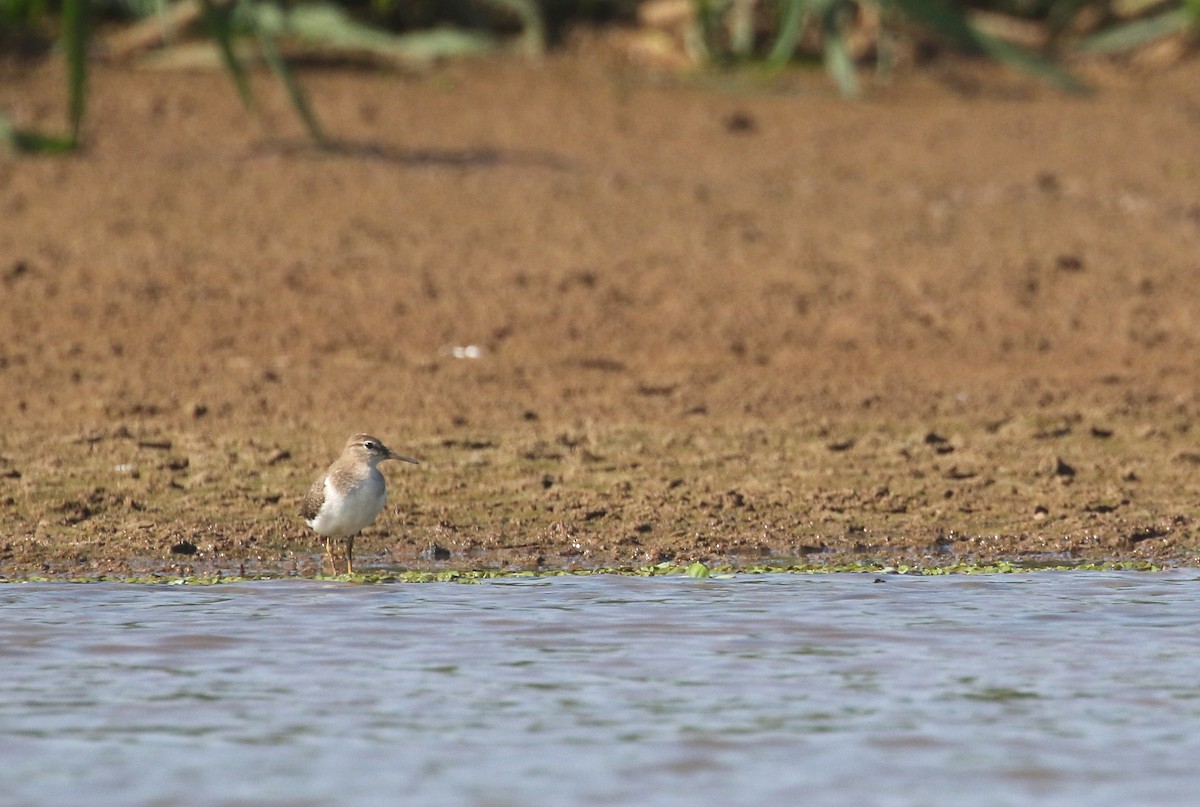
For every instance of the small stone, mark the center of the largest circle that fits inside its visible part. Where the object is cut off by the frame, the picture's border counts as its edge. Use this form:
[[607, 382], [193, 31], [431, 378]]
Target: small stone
[[1069, 263], [740, 123], [1055, 466]]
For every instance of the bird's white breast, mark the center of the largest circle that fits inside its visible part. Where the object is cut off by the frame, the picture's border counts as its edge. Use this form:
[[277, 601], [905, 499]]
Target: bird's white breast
[[343, 513]]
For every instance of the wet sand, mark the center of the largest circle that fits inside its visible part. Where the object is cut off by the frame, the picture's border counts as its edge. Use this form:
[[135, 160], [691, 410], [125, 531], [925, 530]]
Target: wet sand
[[619, 320]]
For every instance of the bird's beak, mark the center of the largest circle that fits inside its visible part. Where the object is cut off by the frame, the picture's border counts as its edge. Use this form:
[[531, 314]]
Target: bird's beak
[[392, 455]]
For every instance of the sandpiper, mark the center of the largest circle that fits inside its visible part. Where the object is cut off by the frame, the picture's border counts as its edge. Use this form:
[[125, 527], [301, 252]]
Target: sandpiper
[[349, 495]]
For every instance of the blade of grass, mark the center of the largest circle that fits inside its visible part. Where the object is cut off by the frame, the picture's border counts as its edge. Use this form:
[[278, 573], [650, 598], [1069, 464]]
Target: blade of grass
[[947, 21], [75, 15], [837, 56], [31, 142], [533, 26], [708, 19], [1137, 33], [330, 29], [790, 23], [218, 19], [741, 28], [27, 141], [270, 51], [1030, 62], [267, 21]]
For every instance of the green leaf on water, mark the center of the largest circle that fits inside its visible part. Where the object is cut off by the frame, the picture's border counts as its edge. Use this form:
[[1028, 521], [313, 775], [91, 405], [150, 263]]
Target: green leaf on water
[[697, 569]]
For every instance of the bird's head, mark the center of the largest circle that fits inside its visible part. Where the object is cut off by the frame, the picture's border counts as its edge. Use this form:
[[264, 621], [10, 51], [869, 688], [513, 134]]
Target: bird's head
[[371, 449]]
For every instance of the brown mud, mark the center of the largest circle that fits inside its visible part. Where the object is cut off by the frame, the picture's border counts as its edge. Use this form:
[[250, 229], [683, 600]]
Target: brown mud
[[619, 320]]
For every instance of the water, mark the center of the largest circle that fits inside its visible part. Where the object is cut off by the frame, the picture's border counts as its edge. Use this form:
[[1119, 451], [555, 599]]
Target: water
[[1058, 689]]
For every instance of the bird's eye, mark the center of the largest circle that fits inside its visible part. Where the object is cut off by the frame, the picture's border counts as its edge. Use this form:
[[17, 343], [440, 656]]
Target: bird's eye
[[369, 445]]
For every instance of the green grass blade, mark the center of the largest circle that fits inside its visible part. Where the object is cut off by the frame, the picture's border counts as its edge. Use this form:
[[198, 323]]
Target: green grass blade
[[31, 142], [940, 18], [21, 13], [533, 25], [790, 23], [740, 27], [1030, 62], [708, 18], [270, 51], [1137, 33], [75, 14], [218, 19], [27, 141], [837, 56], [329, 29], [951, 23]]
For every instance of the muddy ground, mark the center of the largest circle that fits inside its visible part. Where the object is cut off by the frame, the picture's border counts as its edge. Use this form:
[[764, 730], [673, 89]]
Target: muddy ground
[[619, 319]]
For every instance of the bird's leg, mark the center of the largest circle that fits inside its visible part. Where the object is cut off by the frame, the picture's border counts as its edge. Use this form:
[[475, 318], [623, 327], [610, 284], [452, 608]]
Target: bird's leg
[[329, 554], [350, 555]]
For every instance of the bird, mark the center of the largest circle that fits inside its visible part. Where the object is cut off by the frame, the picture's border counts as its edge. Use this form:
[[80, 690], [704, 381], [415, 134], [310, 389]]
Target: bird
[[349, 495]]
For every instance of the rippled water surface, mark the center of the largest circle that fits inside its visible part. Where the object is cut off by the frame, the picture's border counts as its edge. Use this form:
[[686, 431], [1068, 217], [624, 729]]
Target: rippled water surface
[[1078, 688]]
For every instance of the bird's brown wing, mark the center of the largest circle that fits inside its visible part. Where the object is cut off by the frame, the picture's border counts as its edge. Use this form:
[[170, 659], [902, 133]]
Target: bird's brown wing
[[313, 500]]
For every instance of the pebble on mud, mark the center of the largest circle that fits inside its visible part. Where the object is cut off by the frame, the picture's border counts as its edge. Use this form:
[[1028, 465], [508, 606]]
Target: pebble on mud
[[1056, 466]]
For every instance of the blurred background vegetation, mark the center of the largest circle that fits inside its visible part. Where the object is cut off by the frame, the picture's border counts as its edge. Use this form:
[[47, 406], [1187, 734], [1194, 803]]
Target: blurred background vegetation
[[847, 36]]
